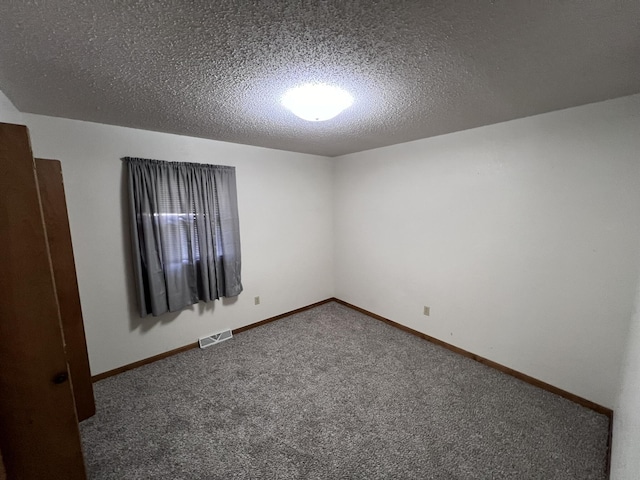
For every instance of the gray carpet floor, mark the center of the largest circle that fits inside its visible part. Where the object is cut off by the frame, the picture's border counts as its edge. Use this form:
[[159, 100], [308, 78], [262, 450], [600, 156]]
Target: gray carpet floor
[[332, 394]]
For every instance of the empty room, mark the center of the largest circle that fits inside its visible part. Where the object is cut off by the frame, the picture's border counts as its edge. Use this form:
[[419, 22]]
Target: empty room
[[320, 239]]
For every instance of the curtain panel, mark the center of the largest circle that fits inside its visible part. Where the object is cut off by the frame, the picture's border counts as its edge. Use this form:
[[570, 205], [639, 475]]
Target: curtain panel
[[185, 233]]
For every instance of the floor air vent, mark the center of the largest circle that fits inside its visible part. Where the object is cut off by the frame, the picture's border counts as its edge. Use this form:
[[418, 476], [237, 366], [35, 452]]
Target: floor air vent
[[215, 338]]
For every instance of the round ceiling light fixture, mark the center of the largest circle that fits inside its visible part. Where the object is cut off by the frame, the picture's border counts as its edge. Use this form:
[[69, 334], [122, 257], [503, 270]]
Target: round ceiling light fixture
[[316, 102]]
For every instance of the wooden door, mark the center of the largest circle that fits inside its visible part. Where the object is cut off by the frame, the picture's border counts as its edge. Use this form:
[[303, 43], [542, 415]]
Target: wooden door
[[3, 474], [54, 208], [39, 435]]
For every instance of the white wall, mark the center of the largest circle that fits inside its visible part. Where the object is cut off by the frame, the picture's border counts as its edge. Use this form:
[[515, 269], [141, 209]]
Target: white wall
[[8, 112], [625, 459], [522, 237], [285, 227]]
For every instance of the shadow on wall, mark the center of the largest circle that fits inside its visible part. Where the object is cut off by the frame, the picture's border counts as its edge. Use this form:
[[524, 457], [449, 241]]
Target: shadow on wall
[[135, 321]]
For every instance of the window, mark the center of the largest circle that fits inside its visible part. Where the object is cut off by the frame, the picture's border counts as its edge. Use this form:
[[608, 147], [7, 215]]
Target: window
[[185, 233]]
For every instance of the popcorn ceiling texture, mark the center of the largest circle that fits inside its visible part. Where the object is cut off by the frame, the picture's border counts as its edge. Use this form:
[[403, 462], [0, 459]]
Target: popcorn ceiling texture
[[216, 69]]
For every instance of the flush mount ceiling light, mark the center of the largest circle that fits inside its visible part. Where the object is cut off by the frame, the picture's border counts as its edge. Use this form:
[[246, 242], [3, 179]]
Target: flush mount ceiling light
[[316, 102]]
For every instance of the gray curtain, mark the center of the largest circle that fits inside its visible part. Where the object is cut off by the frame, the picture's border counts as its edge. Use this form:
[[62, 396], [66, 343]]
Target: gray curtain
[[185, 233]]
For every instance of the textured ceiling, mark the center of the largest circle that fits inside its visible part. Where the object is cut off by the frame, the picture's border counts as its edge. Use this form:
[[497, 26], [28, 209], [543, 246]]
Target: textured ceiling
[[216, 69]]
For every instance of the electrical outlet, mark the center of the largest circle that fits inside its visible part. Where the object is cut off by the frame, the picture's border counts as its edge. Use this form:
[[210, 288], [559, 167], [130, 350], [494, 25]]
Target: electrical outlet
[[427, 311], [256, 300]]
